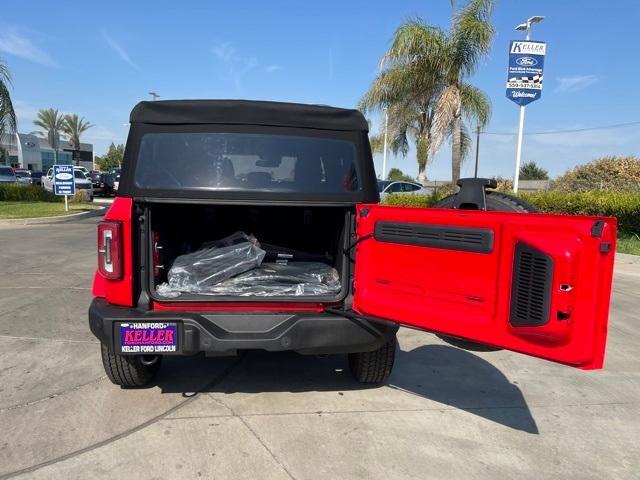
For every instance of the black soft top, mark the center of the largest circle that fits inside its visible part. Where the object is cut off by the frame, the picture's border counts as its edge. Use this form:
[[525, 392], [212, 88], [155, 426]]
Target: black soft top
[[248, 112]]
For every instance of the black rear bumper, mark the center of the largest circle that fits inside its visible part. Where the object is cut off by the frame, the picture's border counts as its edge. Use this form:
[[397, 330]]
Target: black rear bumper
[[220, 332]]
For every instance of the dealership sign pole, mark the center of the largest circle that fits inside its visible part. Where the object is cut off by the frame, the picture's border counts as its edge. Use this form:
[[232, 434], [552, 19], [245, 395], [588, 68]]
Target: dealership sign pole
[[524, 82]]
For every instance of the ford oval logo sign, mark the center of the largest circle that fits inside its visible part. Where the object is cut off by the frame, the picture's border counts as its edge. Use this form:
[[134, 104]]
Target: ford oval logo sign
[[527, 62], [29, 144], [64, 176]]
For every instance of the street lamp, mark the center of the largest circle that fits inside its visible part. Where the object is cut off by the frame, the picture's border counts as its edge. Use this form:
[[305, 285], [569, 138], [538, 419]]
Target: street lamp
[[523, 27], [154, 95], [526, 27]]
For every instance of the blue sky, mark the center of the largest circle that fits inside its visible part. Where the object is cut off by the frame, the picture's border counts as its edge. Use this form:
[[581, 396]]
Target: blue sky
[[98, 59]]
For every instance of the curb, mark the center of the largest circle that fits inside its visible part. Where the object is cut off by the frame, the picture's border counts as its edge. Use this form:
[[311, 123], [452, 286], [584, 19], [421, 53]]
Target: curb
[[57, 219]]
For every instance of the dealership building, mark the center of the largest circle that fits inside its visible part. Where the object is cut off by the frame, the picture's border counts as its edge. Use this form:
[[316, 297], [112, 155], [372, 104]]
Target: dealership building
[[30, 151]]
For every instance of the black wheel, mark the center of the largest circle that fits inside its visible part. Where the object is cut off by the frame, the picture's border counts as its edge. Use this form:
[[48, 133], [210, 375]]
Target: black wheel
[[376, 366], [496, 202], [129, 371]]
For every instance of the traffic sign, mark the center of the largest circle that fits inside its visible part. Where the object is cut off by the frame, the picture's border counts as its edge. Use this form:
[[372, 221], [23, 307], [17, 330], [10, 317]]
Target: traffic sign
[[525, 73], [63, 180]]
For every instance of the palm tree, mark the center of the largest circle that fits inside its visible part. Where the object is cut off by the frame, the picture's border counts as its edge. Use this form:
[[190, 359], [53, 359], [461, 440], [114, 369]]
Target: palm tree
[[51, 122], [73, 127], [7, 113], [468, 42], [408, 87]]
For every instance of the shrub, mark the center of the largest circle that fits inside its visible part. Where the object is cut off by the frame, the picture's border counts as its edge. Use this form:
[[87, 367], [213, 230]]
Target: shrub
[[531, 171], [616, 174], [25, 193], [624, 206], [400, 200], [81, 196]]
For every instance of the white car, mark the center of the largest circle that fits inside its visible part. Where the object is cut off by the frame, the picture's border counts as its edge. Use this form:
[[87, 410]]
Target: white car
[[80, 179], [386, 187]]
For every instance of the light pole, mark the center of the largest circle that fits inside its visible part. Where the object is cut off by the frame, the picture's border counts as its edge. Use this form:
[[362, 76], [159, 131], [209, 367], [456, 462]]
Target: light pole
[[475, 171], [384, 154], [523, 27], [154, 95]]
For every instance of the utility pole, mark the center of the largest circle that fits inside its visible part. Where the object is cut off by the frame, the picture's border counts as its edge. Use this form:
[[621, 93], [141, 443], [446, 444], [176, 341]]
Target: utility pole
[[384, 154], [475, 172], [154, 95], [516, 178]]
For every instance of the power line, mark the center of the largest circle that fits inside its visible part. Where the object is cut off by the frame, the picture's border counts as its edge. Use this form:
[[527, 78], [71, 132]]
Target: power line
[[576, 130]]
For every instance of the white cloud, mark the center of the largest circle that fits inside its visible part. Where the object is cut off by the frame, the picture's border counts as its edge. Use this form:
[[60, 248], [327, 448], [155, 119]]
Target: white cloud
[[575, 82], [12, 42], [272, 68], [121, 52], [26, 114], [236, 66]]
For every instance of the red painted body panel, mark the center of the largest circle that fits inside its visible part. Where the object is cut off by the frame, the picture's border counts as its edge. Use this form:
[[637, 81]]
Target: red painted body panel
[[468, 294], [119, 292]]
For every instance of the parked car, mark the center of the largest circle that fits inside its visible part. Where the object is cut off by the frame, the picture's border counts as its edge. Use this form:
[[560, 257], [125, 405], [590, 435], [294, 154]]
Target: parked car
[[116, 182], [386, 187], [7, 175], [80, 179], [326, 269], [36, 178], [23, 176], [103, 184], [82, 169]]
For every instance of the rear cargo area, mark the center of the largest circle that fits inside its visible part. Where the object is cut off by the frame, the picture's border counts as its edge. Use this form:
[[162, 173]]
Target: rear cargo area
[[204, 252]]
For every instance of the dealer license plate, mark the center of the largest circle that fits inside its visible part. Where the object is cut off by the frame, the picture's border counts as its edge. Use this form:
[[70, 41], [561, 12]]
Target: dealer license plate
[[148, 338]]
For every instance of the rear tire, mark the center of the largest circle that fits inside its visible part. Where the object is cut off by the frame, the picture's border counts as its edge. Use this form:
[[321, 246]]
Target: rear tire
[[128, 371], [496, 202], [374, 367]]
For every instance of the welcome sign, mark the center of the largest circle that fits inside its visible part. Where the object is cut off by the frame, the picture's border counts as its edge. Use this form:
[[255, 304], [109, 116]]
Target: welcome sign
[[525, 72]]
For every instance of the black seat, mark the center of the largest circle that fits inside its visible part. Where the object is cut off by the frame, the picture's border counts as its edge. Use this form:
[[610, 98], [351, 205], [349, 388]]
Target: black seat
[[308, 173], [259, 179]]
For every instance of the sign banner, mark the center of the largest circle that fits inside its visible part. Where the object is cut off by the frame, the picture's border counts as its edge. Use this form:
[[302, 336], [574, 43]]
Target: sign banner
[[63, 180], [525, 73]]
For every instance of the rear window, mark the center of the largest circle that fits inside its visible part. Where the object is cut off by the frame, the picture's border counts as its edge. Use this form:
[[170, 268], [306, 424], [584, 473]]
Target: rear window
[[246, 162], [6, 171]]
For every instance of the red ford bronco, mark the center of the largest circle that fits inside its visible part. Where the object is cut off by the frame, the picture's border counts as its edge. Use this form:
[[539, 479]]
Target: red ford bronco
[[256, 225]]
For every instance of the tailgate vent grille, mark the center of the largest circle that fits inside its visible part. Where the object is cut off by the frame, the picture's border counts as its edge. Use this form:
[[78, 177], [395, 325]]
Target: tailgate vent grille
[[468, 239], [530, 287]]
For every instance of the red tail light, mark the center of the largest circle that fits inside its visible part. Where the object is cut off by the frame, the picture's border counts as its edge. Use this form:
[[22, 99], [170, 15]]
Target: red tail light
[[110, 250]]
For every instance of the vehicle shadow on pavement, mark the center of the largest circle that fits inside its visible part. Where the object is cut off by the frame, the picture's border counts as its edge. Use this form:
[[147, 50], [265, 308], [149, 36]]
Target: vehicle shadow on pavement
[[443, 374], [462, 380]]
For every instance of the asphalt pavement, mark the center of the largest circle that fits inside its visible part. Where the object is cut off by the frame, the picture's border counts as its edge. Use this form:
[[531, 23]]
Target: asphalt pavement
[[446, 413]]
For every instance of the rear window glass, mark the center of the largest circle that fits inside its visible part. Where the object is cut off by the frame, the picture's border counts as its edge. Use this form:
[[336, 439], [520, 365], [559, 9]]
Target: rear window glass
[[246, 162]]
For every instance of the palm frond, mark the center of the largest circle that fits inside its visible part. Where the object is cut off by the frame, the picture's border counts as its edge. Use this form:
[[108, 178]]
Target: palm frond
[[415, 41], [466, 142], [476, 105], [8, 122], [74, 126], [447, 107], [377, 143], [472, 34]]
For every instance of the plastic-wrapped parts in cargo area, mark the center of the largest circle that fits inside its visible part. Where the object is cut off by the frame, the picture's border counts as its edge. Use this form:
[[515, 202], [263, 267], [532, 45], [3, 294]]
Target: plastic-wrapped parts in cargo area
[[233, 267], [218, 261]]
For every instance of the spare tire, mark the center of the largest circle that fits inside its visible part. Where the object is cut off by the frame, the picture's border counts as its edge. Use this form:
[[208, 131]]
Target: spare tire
[[496, 202]]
